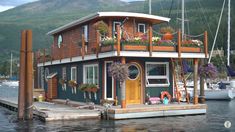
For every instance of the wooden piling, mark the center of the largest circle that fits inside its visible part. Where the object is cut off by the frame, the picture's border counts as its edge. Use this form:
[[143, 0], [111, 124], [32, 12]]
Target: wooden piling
[[22, 83], [29, 77], [195, 77], [118, 40], [150, 40]]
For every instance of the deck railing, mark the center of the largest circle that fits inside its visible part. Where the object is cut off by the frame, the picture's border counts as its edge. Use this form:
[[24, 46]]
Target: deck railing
[[189, 45]]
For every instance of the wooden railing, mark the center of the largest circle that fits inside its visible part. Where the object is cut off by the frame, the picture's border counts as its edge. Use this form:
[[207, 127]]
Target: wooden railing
[[75, 50]]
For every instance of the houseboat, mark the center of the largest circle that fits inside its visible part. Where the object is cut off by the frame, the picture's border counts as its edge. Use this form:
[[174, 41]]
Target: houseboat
[[83, 50]]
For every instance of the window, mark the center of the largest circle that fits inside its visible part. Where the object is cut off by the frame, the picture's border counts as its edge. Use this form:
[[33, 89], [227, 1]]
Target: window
[[74, 73], [85, 32], [90, 74], [60, 40], [141, 27], [115, 28], [46, 73], [109, 82], [157, 74], [64, 74]]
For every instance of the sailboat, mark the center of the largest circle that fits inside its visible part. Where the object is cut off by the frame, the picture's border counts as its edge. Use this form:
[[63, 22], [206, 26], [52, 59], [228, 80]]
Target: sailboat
[[224, 89], [11, 82]]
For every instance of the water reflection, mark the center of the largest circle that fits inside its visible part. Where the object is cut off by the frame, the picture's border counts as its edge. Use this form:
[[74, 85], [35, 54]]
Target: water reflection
[[218, 112]]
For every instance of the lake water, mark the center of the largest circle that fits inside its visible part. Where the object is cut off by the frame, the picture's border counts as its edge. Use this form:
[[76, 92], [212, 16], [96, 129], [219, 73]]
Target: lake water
[[213, 121]]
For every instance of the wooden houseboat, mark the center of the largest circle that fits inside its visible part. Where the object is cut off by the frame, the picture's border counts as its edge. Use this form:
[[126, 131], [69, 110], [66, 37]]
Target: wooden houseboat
[[83, 50]]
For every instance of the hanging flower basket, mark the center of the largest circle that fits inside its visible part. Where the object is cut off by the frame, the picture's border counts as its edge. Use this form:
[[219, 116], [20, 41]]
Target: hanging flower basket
[[208, 71], [73, 84], [63, 84]]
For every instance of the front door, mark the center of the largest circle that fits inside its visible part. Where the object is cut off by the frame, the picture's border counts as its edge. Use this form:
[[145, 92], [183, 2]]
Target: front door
[[133, 84]]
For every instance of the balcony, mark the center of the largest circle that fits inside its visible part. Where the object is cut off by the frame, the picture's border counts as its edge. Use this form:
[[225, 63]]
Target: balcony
[[150, 45]]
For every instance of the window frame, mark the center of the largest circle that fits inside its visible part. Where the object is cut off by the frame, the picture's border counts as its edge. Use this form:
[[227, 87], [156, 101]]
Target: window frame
[[114, 27], [105, 84], [85, 32], [141, 24], [85, 76], [64, 73], [71, 75], [158, 76]]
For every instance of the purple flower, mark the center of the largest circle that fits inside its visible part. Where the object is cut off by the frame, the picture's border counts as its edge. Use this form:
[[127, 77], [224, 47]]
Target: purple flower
[[208, 71]]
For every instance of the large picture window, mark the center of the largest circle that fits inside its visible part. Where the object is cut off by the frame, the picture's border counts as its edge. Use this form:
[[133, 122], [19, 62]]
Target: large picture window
[[157, 74], [74, 74], [90, 74]]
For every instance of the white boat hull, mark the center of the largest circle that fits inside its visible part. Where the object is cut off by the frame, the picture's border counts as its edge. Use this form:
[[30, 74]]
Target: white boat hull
[[226, 94], [11, 83]]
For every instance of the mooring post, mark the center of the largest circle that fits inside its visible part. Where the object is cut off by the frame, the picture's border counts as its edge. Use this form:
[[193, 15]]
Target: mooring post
[[22, 83], [29, 77], [195, 77]]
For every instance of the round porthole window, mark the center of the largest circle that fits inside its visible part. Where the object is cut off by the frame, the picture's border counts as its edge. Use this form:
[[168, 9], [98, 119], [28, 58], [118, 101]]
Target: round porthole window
[[133, 72]]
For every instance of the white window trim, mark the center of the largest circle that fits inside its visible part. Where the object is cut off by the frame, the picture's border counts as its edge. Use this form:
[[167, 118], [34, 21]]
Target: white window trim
[[158, 77], [64, 73], [84, 72], [114, 28], [105, 86], [85, 32], [139, 24], [72, 73]]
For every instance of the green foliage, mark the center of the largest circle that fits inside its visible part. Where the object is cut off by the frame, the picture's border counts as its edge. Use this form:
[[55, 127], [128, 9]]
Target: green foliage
[[51, 14]]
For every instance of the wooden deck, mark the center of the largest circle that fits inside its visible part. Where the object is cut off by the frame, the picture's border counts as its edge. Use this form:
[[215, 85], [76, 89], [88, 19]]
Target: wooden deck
[[51, 111], [144, 111], [75, 110]]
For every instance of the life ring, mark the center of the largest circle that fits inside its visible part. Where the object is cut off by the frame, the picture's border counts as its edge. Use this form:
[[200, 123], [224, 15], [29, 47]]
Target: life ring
[[165, 93]]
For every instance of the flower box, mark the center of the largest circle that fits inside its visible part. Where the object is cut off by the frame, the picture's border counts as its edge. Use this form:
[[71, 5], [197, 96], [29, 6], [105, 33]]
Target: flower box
[[163, 48], [191, 49], [134, 47], [106, 48]]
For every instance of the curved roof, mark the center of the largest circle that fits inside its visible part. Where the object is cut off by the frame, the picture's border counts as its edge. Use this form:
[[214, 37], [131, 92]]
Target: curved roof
[[155, 19]]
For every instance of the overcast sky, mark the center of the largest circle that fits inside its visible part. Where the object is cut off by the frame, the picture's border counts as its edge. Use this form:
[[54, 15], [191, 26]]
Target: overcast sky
[[8, 4]]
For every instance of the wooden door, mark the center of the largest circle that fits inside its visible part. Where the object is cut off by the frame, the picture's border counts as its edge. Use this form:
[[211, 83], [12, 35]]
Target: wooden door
[[133, 84]]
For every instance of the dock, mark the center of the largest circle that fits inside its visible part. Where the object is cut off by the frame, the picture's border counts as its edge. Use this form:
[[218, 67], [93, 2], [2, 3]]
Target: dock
[[160, 110], [48, 111], [62, 110]]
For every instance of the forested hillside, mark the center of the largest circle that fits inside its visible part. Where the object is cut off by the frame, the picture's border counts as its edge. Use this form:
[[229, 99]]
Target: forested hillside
[[45, 15]]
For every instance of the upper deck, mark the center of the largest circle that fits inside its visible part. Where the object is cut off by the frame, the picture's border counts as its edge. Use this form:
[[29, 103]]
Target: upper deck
[[127, 34]]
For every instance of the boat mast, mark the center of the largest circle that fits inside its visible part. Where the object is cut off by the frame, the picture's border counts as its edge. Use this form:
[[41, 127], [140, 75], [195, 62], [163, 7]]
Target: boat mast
[[11, 67], [182, 22], [150, 7], [228, 48]]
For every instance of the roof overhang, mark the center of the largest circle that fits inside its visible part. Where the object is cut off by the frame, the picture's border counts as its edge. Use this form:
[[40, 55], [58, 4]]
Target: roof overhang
[[153, 18]]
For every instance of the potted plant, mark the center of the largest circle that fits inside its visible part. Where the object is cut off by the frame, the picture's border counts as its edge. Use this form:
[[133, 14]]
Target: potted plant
[[167, 33], [73, 84], [63, 84], [120, 72], [102, 27]]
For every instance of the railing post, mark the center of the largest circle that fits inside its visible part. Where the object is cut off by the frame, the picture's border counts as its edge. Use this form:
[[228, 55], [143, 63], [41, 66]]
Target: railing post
[[52, 52], [70, 52], [206, 44], [97, 43], [179, 44], [118, 40], [83, 46], [150, 40]]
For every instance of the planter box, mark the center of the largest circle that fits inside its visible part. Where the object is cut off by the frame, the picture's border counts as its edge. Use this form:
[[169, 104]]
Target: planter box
[[163, 48], [135, 47], [191, 49], [106, 48]]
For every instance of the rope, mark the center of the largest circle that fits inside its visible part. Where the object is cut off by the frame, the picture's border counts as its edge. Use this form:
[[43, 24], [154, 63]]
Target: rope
[[169, 15], [163, 34], [194, 36]]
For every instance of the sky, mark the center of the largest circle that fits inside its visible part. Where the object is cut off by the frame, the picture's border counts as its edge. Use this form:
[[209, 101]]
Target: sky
[[8, 4]]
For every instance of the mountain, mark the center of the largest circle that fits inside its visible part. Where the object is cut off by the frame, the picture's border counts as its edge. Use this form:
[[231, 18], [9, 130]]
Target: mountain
[[44, 15]]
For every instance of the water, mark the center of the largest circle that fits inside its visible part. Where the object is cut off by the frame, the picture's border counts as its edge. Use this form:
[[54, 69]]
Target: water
[[213, 121]]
